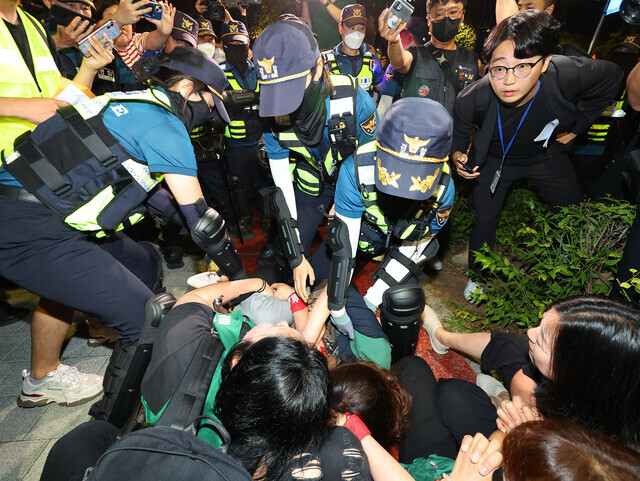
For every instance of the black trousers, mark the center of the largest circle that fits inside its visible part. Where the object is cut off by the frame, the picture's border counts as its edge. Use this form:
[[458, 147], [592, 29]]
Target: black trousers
[[109, 279], [554, 178], [311, 210]]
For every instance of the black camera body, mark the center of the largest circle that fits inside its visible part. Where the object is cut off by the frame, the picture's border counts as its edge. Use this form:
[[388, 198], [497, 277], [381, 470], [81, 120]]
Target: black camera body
[[215, 10]]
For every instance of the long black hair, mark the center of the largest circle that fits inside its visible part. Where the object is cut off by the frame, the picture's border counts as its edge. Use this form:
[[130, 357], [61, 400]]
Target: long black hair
[[533, 32], [274, 403], [595, 357]]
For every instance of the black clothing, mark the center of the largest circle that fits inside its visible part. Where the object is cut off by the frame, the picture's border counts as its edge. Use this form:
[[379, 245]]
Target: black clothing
[[425, 77], [597, 82]]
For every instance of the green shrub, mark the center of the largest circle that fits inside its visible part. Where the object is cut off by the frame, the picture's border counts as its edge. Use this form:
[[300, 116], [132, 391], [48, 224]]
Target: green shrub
[[551, 257]]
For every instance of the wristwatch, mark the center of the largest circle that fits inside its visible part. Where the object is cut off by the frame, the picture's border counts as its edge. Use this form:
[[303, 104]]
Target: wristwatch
[[324, 4]]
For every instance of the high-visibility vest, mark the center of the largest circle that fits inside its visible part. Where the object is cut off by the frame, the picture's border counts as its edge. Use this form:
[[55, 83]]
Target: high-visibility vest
[[246, 125], [364, 77], [310, 174], [416, 226], [15, 78], [77, 168]]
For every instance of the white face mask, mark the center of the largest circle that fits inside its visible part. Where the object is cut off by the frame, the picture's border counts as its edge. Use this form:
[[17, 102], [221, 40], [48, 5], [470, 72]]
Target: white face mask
[[354, 40], [219, 56], [208, 48]]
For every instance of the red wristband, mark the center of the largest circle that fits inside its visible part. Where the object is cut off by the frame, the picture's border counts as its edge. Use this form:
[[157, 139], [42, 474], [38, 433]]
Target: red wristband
[[296, 303], [354, 424]]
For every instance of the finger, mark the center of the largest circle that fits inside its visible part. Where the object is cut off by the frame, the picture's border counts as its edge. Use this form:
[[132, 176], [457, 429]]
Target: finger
[[504, 417], [466, 443], [517, 402], [514, 412], [501, 426], [493, 462], [479, 448]]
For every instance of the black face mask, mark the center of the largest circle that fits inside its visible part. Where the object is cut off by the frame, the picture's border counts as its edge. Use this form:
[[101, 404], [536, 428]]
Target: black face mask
[[237, 55], [193, 113], [445, 30], [311, 116]]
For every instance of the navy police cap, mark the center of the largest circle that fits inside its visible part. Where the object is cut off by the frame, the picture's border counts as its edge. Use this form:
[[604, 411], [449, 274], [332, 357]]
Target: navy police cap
[[284, 53], [414, 140]]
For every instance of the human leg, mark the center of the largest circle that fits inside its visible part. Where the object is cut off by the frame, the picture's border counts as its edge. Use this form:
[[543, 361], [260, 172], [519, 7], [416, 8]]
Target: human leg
[[427, 434], [556, 180], [49, 327]]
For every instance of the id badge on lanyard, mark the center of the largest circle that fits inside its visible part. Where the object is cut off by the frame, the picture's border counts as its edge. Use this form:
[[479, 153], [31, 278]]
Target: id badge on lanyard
[[498, 174]]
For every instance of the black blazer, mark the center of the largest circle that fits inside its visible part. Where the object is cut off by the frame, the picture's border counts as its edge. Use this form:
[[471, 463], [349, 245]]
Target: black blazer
[[577, 90]]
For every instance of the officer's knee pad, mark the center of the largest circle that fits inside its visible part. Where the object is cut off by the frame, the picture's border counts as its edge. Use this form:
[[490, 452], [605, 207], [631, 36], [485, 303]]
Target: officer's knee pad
[[209, 230], [401, 317]]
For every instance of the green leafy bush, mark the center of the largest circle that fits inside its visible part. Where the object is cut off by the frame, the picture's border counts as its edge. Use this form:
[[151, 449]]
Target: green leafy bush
[[551, 257]]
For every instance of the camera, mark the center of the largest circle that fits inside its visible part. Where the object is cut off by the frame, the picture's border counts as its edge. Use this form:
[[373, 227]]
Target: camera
[[215, 10]]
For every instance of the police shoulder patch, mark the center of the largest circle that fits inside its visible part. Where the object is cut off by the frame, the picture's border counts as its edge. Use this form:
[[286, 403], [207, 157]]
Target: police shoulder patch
[[442, 214], [369, 124]]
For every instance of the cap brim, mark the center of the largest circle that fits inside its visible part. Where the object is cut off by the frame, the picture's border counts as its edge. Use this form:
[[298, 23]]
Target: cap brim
[[352, 22], [235, 37], [178, 35], [281, 98], [415, 180], [222, 111]]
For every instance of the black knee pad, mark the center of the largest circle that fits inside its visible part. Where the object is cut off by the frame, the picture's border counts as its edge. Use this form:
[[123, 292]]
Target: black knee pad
[[401, 317]]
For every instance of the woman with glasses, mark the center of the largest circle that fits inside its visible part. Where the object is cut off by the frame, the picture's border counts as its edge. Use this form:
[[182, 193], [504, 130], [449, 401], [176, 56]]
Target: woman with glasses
[[523, 116]]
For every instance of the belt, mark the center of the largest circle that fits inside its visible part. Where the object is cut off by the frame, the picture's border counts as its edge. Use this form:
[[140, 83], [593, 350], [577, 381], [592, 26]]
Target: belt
[[17, 193]]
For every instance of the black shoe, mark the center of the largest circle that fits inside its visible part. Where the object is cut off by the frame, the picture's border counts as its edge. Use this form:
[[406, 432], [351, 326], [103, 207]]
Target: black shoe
[[173, 257], [267, 254], [9, 314]]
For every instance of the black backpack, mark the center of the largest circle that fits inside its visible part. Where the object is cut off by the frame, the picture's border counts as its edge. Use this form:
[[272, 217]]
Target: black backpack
[[163, 453]]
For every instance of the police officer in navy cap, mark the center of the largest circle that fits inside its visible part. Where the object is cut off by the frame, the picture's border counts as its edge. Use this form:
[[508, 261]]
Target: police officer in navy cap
[[397, 193], [184, 33], [318, 121]]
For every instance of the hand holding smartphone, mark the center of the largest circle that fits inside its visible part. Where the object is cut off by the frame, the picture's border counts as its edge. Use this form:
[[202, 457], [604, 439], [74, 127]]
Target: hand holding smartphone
[[105, 35], [400, 12]]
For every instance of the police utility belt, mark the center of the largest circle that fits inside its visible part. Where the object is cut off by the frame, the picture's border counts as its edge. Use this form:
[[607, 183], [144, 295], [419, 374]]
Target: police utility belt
[[73, 165]]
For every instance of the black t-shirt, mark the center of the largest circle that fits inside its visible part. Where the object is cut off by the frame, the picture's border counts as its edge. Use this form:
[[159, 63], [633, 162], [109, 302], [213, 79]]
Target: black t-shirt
[[20, 37], [524, 150]]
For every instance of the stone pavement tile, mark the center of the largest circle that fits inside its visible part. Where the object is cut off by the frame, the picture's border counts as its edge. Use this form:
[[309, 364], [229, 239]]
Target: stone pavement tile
[[18, 458], [58, 420], [20, 328], [11, 384], [16, 422], [36, 470], [9, 342], [5, 368], [21, 351]]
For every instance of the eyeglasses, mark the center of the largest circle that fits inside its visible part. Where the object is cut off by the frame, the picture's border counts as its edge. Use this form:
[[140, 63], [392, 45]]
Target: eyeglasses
[[522, 70], [452, 14]]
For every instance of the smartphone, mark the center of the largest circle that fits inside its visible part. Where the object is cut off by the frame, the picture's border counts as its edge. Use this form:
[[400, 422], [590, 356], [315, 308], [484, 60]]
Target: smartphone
[[156, 11], [106, 34], [63, 16], [466, 167], [400, 12]]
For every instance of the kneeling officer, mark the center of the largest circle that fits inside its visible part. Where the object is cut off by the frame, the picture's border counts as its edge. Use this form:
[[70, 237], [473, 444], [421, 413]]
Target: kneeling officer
[[67, 188], [397, 193]]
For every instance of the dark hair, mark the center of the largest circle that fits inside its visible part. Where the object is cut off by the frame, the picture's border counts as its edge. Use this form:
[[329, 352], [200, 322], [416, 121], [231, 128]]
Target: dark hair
[[594, 365], [376, 396], [432, 3], [558, 450], [274, 403], [533, 32]]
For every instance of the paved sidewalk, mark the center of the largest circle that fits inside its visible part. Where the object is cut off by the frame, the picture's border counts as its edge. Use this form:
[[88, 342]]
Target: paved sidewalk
[[26, 435]]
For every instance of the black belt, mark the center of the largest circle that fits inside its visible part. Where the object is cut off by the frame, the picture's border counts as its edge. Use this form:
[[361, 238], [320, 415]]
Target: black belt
[[17, 193]]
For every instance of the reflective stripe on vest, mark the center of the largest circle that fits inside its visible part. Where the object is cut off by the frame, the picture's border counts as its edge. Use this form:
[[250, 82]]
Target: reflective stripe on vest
[[16, 79], [365, 161], [364, 77], [237, 129], [341, 103]]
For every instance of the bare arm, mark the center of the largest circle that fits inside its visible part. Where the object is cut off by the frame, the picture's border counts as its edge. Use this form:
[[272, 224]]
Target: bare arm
[[523, 386], [304, 12], [129, 12], [156, 39], [633, 87], [90, 65], [332, 10], [35, 110], [505, 8], [317, 319], [185, 188], [228, 290], [400, 59]]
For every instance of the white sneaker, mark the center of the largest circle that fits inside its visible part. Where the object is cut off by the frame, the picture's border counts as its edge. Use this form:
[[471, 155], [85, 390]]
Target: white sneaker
[[431, 322], [472, 290], [66, 386], [490, 385], [435, 264]]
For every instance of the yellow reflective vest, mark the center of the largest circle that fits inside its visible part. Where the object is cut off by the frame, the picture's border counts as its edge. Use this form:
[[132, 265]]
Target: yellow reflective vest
[[16, 79]]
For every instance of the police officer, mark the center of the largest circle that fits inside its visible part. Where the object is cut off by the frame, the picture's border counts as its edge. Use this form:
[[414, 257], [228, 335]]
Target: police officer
[[84, 174], [397, 193], [352, 56], [245, 130], [439, 69], [318, 120]]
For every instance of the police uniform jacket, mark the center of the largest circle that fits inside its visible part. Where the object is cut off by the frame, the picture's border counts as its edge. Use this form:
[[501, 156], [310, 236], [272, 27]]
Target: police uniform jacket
[[576, 89]]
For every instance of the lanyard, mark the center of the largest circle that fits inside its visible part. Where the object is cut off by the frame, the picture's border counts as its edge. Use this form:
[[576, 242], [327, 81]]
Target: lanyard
[[504, 152]]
